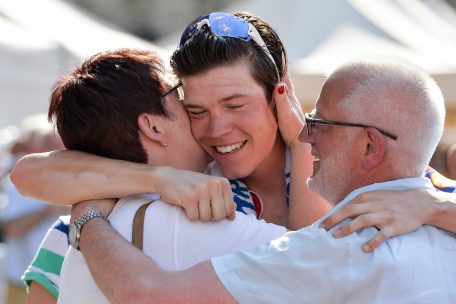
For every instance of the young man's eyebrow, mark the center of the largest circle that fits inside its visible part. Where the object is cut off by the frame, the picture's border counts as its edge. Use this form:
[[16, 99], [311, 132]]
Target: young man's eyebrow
[[224, 99], [233, 96]]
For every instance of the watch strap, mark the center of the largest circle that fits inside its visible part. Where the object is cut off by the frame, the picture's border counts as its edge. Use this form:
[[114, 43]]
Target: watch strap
[[87, 216], [79, 223]]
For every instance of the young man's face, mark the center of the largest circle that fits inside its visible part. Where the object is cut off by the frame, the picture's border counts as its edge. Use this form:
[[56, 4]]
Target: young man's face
[[231, 118]]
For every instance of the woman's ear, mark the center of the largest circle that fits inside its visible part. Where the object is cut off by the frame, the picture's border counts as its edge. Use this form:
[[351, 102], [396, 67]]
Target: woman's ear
[[151, 127]]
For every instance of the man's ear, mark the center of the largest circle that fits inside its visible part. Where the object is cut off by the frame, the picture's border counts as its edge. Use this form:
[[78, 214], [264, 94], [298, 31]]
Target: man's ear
[[374, 149], [151, 127]]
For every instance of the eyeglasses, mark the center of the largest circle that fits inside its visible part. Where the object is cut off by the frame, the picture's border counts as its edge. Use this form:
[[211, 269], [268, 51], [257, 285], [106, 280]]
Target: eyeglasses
[[178, 88], [310, 122], [227, 25]]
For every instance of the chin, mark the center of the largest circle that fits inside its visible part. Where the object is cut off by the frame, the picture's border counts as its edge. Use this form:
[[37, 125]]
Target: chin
[[232, 173], [318, 187], [312, 186]]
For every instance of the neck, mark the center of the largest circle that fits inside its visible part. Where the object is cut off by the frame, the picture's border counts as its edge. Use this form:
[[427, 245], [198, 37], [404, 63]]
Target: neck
[[378, 175], [270, 174]]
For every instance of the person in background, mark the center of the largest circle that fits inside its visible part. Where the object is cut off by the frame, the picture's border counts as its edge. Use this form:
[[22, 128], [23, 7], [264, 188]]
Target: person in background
[[26, 220], [451, 161]]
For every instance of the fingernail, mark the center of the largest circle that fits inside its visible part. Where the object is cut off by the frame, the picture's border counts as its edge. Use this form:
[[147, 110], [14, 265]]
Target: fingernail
[[366, 248], [337, 233], [281, 89], [322, 225]]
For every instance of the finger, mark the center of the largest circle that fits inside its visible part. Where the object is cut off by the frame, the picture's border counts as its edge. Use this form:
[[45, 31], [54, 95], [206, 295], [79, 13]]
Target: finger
[[362, 198], [192, 212], [374, 196], [347, 211], [287, 117], [378, 239], [229, 204], [287, 80], [362, 221], [232, 217], [217, 203], [204, 207], [337, 217], [280, 95]]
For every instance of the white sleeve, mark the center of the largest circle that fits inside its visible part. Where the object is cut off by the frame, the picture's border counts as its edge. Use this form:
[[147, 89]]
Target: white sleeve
[[198, 241], [307, 266]]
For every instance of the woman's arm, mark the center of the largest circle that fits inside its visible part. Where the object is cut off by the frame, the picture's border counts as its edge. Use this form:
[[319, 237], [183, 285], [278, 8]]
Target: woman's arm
[[68, 177], [443, 211], [395, 213], [305, 206]]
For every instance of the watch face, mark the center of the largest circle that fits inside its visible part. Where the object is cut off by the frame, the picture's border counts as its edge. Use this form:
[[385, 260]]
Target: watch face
[[72, 234]]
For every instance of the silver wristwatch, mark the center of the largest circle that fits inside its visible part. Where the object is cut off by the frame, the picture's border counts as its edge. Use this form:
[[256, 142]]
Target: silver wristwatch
[[75, 229]]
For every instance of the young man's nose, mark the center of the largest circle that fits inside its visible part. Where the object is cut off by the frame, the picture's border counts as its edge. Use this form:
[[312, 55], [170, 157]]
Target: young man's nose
[[219, 126]]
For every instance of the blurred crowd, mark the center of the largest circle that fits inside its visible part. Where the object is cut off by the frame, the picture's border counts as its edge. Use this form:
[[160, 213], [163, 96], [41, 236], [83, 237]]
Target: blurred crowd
[[23, 221], [444, 160]]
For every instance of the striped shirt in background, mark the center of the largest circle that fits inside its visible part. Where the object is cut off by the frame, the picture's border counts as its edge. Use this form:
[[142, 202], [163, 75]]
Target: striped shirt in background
[[46, 266]]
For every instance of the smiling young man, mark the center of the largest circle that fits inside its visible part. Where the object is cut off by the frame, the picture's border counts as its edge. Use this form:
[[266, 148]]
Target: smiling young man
[[374, 127]]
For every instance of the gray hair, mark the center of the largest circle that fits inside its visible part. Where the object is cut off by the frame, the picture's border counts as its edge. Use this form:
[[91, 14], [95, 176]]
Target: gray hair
[[401, 99]]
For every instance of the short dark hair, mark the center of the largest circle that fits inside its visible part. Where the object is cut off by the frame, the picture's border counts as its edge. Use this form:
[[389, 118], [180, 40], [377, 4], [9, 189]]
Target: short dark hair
[[96, 107], [205, 51]]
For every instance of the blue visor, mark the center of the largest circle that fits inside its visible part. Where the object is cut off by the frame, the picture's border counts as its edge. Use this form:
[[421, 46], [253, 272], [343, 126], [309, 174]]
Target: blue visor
[[220, 24], [227, 25]]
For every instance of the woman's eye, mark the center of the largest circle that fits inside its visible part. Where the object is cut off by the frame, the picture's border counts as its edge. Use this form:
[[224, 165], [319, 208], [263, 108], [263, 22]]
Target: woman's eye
[[196, 113]]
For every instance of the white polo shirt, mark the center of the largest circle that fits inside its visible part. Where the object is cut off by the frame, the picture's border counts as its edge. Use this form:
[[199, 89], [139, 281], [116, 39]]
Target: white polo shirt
[[172, 240], [310, 266]]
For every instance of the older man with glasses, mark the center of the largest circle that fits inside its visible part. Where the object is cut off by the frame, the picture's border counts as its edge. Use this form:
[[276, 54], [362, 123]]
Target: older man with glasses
[[374, 127]]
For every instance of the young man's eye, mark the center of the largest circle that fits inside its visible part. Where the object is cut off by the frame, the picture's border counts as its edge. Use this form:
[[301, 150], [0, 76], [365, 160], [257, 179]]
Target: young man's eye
[[234, 106]]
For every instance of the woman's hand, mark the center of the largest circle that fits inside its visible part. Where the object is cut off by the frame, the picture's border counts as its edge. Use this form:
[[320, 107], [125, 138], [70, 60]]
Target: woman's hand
[[289, 113], [393, 212], [203, 197]]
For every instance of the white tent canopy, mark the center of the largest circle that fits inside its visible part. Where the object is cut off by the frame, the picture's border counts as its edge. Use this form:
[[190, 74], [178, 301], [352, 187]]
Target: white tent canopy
[[29, 67], [41, 40], [320, 34]]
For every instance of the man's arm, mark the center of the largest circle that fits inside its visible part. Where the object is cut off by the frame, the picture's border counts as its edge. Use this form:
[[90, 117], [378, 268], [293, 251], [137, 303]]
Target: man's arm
[[107, 254], [395, 213], [69, 177]]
